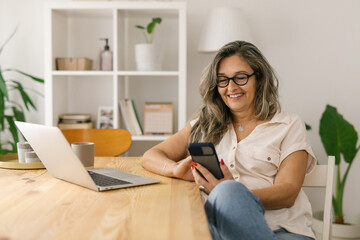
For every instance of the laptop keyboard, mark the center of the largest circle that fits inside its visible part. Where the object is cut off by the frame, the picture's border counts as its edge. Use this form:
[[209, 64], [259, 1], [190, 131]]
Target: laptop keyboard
[[102, 180]]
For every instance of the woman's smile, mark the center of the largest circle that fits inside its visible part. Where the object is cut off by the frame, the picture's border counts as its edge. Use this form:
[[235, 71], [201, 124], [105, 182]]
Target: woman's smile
[[237, 98]]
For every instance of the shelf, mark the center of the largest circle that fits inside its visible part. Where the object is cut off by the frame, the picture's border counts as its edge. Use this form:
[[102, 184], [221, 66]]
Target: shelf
[[85, 13], [149, 138], [149, 73], [82, 73], [121, 5], [119, 73]]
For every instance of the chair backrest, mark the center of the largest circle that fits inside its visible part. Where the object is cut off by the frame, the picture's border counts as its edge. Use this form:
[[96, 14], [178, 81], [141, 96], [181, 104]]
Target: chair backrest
[[322, 176], [108, 142]]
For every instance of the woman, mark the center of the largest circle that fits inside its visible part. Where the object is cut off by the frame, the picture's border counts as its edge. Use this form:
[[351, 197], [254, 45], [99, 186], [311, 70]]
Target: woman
[[264, 152]]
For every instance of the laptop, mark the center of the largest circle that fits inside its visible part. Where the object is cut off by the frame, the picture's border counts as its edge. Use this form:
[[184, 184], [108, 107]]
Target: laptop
[[56, 154]]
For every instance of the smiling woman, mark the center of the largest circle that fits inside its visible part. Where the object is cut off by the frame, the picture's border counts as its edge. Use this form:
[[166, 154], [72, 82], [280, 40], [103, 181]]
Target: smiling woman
[[264, 153], [255, 96]]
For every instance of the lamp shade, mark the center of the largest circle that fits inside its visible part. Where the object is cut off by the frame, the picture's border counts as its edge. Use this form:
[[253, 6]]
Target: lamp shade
[[223, 25]]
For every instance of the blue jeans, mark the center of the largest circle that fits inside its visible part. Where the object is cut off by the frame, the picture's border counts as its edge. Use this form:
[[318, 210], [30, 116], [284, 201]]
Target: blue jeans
[[236, 213]]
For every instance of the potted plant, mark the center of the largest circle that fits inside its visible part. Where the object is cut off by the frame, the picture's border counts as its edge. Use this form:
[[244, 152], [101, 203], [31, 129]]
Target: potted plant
[[10, 109], [339, 139], [148, 56]]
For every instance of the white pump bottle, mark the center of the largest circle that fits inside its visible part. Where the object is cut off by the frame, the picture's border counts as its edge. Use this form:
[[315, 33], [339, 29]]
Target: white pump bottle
[[106, 57]]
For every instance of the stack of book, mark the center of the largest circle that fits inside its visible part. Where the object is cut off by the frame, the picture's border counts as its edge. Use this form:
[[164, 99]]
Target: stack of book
[[130, 116], [75, 121]]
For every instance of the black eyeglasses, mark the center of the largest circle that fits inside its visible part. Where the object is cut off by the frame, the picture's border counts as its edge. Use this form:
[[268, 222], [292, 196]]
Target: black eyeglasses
[[239, 79]]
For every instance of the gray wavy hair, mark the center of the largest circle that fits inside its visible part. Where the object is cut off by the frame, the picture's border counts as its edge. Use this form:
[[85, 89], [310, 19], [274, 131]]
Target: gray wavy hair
[[214, 116]]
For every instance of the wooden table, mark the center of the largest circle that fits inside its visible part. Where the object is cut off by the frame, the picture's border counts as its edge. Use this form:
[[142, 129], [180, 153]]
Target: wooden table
[[34, 205]]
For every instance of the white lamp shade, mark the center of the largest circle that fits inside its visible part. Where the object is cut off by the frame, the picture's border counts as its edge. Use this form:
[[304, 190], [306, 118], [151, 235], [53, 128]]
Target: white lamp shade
[[223, 25]]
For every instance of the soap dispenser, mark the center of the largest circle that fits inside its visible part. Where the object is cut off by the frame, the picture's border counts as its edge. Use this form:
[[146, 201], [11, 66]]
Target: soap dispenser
[[106, 57]]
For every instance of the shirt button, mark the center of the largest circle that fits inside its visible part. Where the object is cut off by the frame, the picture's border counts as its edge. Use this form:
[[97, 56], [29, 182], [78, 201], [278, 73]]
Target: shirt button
[[269, 158], [236, 178], [232, 165], [233, 148]]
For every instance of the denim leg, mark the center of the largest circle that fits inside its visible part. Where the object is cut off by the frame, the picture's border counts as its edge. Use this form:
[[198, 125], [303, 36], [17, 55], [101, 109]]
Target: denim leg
[[236, 213]]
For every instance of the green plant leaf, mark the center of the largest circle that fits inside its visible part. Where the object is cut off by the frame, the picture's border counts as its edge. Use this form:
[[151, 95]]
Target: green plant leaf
[[25, 97], [335, 205], [3, 88], [150, 27], [338, 135], [140, 27], [19, 115], [157, 20], [12, 128], [328, 132], [7, 40], [13, 146], [27, 75], [4, 151]]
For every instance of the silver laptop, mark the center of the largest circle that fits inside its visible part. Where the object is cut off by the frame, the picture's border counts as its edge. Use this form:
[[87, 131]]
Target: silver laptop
[[59, 159]]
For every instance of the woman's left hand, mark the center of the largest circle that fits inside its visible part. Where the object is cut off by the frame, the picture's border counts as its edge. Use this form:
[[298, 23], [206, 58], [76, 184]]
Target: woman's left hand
[[212, 181]]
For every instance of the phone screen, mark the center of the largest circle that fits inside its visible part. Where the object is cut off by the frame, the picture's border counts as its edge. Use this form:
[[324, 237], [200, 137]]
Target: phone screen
[[205, 154]]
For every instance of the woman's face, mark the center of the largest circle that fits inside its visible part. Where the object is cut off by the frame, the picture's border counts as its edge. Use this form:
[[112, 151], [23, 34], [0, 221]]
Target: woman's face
[[237, 98]]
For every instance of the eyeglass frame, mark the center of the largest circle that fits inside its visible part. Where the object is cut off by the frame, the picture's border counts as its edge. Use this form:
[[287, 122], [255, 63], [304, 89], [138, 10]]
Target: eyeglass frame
[[232, 78]]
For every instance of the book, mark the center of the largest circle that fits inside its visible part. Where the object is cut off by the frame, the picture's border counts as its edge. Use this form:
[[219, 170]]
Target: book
[[64, 126], [128, 114], [75, 116], [137, 117], [133, 120], [75, 121], [125, 115], [122, 106]]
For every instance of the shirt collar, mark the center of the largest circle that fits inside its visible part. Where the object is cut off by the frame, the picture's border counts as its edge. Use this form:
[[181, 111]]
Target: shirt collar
[[280, 117]]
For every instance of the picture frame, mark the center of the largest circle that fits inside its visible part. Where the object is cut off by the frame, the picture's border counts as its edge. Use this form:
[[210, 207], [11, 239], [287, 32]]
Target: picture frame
[[105, 118]]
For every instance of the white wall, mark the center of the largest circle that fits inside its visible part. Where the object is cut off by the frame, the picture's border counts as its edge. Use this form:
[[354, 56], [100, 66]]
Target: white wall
[[25, 50], [313, 46]]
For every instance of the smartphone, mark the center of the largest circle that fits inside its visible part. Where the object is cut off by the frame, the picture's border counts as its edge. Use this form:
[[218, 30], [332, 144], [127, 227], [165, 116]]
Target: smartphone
[[205, 154]]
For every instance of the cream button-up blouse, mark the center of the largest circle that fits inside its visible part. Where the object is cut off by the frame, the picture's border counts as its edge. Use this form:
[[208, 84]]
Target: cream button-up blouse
[[255, 160]]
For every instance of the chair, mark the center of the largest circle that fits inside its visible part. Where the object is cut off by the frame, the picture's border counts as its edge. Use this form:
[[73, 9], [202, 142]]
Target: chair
[[322, 177], [108, 142]]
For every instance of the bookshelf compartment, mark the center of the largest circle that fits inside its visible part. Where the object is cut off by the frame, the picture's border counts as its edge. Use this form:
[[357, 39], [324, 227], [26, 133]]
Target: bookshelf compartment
[[166, 34], [139, 89], [81, 95], [73, 29], [77, 33]]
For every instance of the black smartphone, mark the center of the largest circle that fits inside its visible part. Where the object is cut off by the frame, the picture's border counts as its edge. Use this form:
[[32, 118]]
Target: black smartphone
[[205, 154]]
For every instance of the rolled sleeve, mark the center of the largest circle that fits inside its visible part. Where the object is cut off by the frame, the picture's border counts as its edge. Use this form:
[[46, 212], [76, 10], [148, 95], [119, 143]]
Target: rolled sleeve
[[296, 139]]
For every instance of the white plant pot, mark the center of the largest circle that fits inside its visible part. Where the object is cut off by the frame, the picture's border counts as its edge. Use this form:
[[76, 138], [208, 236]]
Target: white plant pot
[[148, 57], [349, 231]]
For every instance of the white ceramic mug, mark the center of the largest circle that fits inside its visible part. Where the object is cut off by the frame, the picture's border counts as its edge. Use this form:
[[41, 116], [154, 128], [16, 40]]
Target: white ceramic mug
[[23, 147], [85, 152], [31, 157]]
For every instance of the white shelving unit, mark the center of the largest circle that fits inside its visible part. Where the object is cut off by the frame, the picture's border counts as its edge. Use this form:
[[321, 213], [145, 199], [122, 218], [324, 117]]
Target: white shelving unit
[[73, 29]]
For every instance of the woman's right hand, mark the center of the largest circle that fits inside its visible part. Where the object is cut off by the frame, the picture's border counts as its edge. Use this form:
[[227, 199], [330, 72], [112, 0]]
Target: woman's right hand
[[182, 170]]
